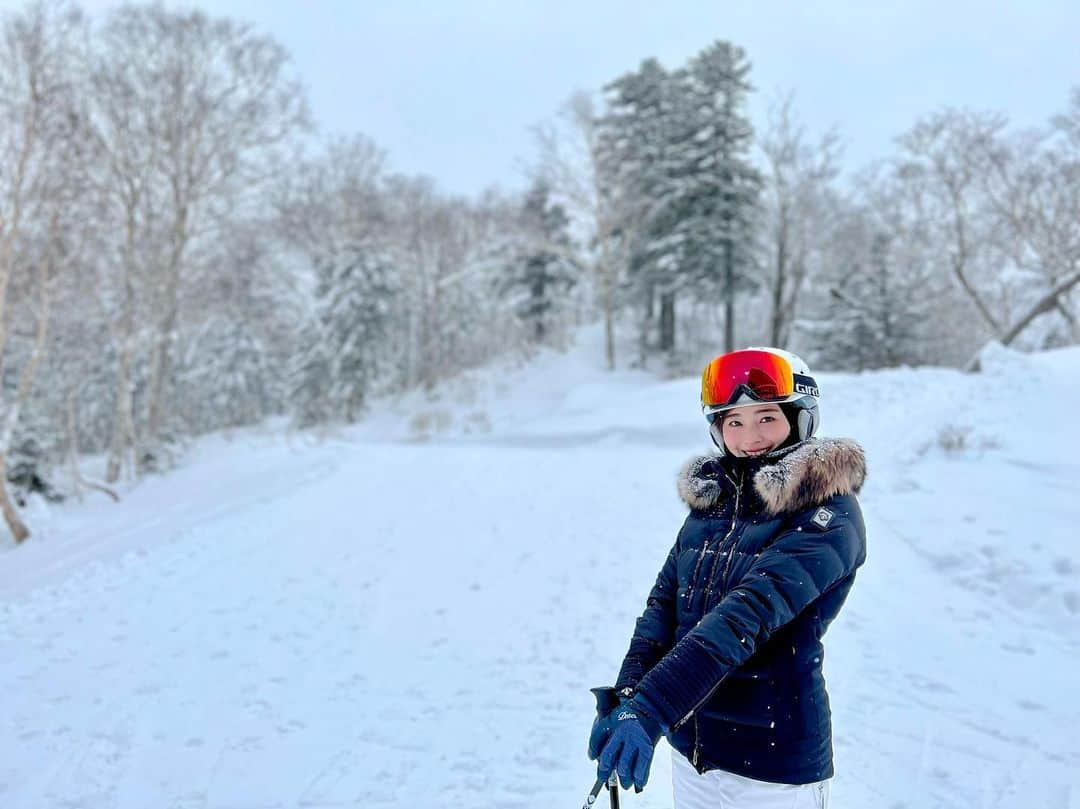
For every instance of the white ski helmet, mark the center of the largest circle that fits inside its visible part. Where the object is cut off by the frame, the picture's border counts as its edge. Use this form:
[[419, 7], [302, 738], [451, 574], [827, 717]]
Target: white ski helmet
[[760, 375]]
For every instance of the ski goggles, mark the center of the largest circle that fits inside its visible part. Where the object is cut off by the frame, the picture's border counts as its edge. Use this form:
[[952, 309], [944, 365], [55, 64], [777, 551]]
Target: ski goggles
[[759, 376]]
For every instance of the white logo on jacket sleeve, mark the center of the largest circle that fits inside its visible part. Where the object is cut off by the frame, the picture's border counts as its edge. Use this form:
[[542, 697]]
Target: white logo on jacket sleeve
[[822, 517]]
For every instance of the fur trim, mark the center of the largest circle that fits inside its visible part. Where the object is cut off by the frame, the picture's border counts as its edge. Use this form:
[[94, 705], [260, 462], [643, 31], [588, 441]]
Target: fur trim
[[808, 475], [698, 483]]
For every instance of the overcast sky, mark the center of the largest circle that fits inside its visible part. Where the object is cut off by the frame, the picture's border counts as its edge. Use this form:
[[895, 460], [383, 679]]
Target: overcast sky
[[450, 88]]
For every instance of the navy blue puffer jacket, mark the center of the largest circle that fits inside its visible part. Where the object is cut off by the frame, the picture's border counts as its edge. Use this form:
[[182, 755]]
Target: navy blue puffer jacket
[[728, 654]]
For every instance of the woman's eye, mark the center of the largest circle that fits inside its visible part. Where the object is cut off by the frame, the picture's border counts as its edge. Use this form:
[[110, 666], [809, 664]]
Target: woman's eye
[[733, 423]]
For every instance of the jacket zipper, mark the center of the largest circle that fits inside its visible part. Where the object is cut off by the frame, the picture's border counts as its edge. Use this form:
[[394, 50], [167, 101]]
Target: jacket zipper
[[731, 529], [697, 746], [701, 702], [705, 549], [727, 536], [697, 728]]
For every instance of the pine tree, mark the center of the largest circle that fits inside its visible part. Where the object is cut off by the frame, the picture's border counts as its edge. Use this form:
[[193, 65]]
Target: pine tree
[[721, 187], [540, 272], [29, 470], [678, 145], [225, 377], [341, 363], [633, 145], [311, 375], [877, 317]]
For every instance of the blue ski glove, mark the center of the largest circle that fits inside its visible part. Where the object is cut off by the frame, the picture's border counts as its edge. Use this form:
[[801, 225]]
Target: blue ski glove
[[626, 741], [607, 700]]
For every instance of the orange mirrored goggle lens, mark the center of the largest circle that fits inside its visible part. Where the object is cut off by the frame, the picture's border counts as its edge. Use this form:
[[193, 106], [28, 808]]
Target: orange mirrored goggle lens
[[766, 375]]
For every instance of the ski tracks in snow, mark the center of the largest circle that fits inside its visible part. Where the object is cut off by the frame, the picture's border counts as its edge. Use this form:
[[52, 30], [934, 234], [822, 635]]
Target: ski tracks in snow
[[390, 625]]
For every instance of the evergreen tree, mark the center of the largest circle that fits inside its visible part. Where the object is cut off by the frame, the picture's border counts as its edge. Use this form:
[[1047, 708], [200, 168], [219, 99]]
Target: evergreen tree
[[540, 272], [225, 378], [311, 375], [877, 315], [341, 361], [29, 470], [633, 141], [678, 145], [721, 187]]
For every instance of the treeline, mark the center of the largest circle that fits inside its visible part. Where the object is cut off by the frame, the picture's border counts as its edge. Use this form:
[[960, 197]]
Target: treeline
[[709, 233], [181, 252]]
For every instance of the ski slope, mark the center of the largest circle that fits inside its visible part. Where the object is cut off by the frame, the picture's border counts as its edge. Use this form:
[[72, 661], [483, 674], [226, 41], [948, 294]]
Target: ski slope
[[373, 620]]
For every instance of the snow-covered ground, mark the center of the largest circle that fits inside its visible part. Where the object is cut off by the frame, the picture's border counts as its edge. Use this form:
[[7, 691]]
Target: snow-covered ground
[[375, 620]]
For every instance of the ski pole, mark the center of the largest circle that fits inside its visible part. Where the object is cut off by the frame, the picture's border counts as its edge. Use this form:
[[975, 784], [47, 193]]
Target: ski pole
[[613, 792], [591, 799]]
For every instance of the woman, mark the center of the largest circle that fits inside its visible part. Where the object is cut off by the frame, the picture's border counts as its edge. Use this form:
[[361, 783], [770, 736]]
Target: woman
[[726, 659]]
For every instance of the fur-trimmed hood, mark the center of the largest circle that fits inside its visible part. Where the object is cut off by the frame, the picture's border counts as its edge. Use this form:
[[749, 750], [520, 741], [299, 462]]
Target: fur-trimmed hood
[[807, 475]]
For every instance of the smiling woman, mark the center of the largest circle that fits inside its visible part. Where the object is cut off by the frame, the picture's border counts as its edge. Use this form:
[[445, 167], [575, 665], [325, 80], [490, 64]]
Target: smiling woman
[[752, 431], [726, 660], [743, 391]]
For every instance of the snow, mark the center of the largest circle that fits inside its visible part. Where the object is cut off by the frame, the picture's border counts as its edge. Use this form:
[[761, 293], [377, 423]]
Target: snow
[[410, 612]]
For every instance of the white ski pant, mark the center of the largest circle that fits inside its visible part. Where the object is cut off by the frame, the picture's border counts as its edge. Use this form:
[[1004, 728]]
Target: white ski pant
[[718, 789]]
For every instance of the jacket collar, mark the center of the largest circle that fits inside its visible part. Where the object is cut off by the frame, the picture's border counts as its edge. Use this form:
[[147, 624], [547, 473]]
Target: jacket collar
[[805, 475]]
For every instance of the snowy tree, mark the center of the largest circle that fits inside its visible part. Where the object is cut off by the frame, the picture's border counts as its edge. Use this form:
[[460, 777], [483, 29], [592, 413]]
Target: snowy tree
[[541, 270], [867, 329], [446, 249], [721, 200], [939, 169], [40, 161], [224, 377], [441, 316], [632, 145], [337, 373], [880, 302], [1033, 192], [257, 297], [311, 376], [329, 199], [185, 110], [799, 213], [78, 384], [1002, 209], [570, 163], [678, 147]]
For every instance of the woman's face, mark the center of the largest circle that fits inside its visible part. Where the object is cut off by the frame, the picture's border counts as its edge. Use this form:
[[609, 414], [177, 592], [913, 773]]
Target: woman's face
[[750, 431]]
